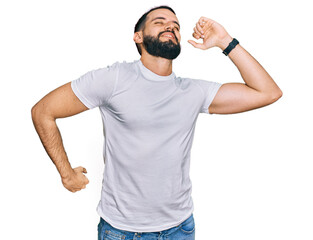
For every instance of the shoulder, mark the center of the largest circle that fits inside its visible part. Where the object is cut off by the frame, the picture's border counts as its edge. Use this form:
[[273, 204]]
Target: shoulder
[[186, 82], [115, 68], [125, 65], [127, 69], [206, 85], [203, 86]]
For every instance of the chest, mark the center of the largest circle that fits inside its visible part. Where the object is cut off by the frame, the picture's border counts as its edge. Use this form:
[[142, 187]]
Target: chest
[[158, 106]]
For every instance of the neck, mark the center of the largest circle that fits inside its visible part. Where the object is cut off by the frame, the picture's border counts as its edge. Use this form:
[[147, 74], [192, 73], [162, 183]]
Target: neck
[[158, 65]]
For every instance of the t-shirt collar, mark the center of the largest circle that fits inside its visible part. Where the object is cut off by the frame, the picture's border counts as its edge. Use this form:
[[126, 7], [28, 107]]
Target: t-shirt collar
[[147, 73]]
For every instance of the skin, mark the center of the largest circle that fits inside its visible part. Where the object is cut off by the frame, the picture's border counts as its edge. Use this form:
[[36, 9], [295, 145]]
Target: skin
[[60, 103], [153, 26], [258, 89]]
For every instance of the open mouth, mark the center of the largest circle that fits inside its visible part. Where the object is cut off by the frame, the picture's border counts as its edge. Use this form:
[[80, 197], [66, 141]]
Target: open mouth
[[168, 35]]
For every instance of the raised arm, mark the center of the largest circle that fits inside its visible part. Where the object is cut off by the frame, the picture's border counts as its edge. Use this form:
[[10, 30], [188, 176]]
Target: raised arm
[[259, 88], [60, 103]]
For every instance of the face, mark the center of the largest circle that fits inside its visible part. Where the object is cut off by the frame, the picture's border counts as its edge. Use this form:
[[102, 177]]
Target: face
[[161, 37]]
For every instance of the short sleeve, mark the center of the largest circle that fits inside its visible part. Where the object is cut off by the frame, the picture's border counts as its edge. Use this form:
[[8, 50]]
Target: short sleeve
[[209, 91], [95, 87]]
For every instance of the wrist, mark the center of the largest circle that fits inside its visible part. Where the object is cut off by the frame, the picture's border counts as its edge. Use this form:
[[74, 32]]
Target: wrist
[[67, 174], [223, 43], [231, 46]]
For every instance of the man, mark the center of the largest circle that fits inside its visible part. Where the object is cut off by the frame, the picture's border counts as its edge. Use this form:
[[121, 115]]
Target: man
[[149, 117]]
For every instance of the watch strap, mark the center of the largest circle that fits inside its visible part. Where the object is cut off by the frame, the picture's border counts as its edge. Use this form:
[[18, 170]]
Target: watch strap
[[231, 46]]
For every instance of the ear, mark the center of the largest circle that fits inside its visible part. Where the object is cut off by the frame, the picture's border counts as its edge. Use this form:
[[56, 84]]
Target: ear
[[138, 38]]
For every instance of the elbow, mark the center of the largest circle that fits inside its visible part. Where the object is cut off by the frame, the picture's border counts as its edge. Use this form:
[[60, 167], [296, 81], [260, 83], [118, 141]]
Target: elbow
[[278, 94], [275, 95], [35, 113], [38, 113], [41, 114]]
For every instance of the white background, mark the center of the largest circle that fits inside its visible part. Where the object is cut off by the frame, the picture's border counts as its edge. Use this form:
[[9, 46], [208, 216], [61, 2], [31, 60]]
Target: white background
[[251, 172]]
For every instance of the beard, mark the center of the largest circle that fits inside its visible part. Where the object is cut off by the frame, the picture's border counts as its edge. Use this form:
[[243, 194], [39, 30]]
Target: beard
[[167, 49]]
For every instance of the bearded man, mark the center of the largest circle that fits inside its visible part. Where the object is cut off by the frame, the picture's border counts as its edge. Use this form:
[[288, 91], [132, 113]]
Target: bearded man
[[149, 116]]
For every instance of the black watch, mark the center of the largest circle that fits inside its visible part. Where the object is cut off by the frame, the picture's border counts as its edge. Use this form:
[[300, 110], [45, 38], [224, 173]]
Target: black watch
[[231, 46]]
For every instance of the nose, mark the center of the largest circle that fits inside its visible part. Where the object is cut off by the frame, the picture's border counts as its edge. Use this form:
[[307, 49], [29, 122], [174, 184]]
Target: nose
[[169, 26]]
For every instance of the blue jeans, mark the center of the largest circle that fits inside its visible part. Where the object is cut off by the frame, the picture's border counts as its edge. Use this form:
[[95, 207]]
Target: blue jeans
[[184, 231]]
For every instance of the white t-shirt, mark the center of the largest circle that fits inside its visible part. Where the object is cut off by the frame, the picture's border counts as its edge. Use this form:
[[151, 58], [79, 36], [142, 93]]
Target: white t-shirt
[[149, 122]]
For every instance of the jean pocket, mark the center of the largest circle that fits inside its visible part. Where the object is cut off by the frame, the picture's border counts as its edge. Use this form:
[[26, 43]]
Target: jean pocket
[[188, 226], [113, 235]]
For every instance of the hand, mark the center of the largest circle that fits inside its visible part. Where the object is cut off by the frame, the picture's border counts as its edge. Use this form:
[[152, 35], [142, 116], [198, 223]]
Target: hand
[[76, 181], [212, 33]]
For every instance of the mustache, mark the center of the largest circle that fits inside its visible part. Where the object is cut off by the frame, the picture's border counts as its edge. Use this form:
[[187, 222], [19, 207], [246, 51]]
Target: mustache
[[169, 32]]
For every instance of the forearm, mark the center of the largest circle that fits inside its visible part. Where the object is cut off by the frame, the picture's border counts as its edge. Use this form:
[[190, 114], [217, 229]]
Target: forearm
[[51, 139], [259, 89], [253, 74]]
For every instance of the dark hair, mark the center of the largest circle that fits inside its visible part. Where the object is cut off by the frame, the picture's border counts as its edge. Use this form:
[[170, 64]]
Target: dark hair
[[140, 25]]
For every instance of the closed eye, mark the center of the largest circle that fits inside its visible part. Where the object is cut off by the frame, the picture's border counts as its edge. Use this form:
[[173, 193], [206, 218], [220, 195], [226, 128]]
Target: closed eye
[[177, 28]]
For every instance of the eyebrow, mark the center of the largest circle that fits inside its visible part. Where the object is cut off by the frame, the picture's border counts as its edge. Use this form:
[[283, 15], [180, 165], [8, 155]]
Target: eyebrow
[[164, 19]]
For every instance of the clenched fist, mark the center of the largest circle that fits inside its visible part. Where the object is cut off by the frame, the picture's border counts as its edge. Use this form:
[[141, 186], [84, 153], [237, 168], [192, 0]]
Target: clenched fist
[[76, 180], [212, 33]]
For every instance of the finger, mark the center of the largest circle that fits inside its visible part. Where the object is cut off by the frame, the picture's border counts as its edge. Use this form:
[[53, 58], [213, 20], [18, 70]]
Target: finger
[[196, 36], [78, 189], [81, 169], [204, 20], [200, 28], [205, 28], [197, 31], [195, 44], [201, 22], [206, 23], [86, 180]]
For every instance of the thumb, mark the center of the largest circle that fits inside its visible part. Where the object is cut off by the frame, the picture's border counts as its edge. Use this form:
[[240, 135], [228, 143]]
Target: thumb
[[195, 44], [82, 169]]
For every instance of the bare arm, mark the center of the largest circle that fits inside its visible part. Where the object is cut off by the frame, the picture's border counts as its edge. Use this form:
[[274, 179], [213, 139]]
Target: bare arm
[[259, 88], [60, 103]]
